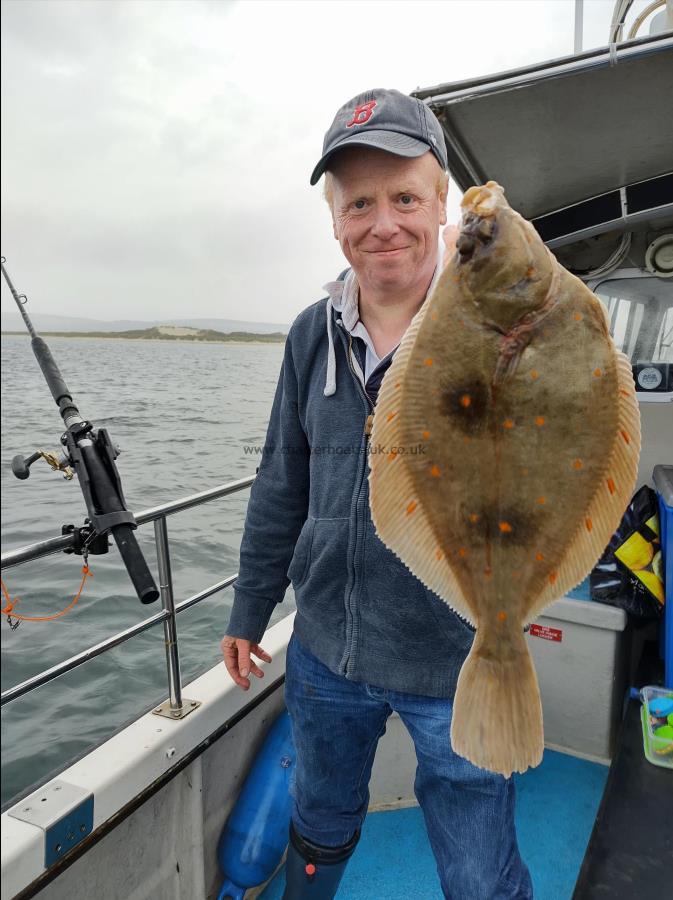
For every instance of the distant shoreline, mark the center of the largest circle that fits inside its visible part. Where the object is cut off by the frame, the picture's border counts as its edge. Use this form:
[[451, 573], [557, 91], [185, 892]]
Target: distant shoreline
[[256, 340]]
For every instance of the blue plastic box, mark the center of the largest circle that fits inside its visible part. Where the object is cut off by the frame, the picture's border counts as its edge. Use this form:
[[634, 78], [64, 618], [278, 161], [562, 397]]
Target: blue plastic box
[[663, 485]]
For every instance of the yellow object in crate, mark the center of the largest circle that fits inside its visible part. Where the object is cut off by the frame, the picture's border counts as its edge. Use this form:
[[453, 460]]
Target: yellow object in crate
[[641, 555], [657, 730]]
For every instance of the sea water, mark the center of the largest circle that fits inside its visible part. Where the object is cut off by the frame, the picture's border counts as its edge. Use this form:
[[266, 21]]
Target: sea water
[[187, 417]]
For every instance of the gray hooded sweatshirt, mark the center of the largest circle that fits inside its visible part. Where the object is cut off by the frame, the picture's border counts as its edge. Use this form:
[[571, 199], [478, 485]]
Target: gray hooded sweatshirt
[[360, 611]]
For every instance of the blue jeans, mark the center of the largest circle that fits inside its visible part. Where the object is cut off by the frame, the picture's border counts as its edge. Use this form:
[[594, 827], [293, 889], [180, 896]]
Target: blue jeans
[[469, 812]]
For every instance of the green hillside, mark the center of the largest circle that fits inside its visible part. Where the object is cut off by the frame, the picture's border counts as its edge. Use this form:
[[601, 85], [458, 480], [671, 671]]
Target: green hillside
[[170, 333]]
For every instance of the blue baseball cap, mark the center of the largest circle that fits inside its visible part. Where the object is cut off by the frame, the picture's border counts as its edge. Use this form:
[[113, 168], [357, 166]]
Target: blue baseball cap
[[385, 120]]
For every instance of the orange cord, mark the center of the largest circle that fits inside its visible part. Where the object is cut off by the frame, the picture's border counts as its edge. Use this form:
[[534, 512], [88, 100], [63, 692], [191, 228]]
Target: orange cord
[[8, 609]]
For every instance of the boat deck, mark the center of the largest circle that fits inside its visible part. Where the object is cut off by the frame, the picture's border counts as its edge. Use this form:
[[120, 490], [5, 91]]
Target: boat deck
[[556, 807]]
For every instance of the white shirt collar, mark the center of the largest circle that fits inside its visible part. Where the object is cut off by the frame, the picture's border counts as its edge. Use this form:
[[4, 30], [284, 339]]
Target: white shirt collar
[[344, 298]]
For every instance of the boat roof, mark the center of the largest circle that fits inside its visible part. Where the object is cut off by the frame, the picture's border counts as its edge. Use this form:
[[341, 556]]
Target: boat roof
[[563, 131]]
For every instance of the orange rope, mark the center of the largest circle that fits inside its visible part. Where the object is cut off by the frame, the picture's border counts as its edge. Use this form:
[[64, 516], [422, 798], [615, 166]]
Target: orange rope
[[10, 604]]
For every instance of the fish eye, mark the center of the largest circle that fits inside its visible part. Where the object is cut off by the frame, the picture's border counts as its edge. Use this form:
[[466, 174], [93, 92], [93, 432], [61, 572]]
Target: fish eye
[[359, 204]]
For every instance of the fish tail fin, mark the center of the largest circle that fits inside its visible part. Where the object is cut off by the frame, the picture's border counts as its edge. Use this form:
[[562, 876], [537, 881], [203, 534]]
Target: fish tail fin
[[497, 712]]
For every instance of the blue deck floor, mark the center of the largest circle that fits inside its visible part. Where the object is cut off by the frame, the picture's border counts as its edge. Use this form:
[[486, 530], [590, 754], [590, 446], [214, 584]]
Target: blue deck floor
[[556, 808]]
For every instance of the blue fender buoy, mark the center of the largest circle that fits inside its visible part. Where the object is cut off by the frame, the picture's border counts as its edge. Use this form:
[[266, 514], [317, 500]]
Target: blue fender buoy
[[256, 833]]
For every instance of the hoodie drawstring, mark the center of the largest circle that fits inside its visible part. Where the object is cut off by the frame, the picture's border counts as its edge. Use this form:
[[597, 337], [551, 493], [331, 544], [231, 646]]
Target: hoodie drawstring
[[330, 378]]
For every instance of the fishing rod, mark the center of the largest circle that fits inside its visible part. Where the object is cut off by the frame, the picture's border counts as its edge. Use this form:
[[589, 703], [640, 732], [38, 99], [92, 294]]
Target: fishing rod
[[91, 454]]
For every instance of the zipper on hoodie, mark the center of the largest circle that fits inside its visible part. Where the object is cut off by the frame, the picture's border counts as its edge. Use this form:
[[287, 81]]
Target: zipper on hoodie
[[368, 399], [351, 633]]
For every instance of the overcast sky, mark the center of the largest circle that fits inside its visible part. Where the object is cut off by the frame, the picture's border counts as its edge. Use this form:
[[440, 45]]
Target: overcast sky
[[156, 153]]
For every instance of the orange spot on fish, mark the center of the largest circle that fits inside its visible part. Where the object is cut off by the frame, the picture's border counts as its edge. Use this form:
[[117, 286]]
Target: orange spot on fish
[[589, 524], [578, 317], [625, 435], [439, 553], [530, 271], [433, 316], [462, 552], [465, 401], [624, 393], [541, 500], [474, 517], [398, 384], [505, 527], [425, 435], [502, 616], [534, 374], [552, 577], [412, 506], [466, 439], [435, 471], [428, 361], [539, 421], [391, 456], [508, 423], [578, 464], [488, 571], [391, 416], [597, 373], [539, 557], [611, 485]]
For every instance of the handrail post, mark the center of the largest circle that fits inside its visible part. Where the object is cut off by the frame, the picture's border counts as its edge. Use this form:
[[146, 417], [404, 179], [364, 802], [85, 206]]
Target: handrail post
[[170, 626]]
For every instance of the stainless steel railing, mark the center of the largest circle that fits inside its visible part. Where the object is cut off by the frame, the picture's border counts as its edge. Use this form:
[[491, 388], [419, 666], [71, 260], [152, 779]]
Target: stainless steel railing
[[170, 609]]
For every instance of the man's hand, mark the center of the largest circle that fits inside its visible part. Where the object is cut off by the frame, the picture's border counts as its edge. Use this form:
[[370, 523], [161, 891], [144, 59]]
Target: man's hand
[[236, 652], [450, 236]]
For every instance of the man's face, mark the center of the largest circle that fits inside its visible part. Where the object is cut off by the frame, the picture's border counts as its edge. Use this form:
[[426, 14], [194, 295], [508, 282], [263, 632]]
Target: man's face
[[386, 214]]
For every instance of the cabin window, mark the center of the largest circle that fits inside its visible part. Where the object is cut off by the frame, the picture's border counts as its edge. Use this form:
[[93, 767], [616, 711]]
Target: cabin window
[[641, 317]]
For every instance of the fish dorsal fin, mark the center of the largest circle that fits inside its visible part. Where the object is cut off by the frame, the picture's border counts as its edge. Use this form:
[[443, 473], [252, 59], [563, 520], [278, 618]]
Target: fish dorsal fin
[[611, 497], [399, 520]]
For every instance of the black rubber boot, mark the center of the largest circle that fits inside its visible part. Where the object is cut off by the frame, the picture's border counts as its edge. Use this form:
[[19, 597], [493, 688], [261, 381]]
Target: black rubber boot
[[313, 872]]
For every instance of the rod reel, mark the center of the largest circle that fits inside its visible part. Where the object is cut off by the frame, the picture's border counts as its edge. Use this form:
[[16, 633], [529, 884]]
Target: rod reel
[[58, 462]]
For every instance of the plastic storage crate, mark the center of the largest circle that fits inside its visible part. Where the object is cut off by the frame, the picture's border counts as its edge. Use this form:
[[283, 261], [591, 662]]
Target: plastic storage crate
[[581, 652], [658, 747]]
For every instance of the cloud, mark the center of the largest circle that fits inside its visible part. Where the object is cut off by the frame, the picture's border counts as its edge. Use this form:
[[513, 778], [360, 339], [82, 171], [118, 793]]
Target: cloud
[[156, 153]]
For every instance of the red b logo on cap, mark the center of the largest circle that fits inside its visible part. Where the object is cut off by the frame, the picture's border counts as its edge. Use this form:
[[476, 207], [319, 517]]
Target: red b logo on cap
[[362, 114]]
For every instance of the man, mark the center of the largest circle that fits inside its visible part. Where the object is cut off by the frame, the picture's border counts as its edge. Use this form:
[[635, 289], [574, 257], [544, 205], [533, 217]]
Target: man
[[368, 637]]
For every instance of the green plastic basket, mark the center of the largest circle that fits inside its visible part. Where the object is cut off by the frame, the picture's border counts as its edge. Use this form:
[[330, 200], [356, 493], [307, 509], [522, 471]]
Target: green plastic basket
[[658, 750]]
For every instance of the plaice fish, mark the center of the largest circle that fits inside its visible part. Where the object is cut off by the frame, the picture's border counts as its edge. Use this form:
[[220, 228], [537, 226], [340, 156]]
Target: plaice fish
[[509, 379]]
